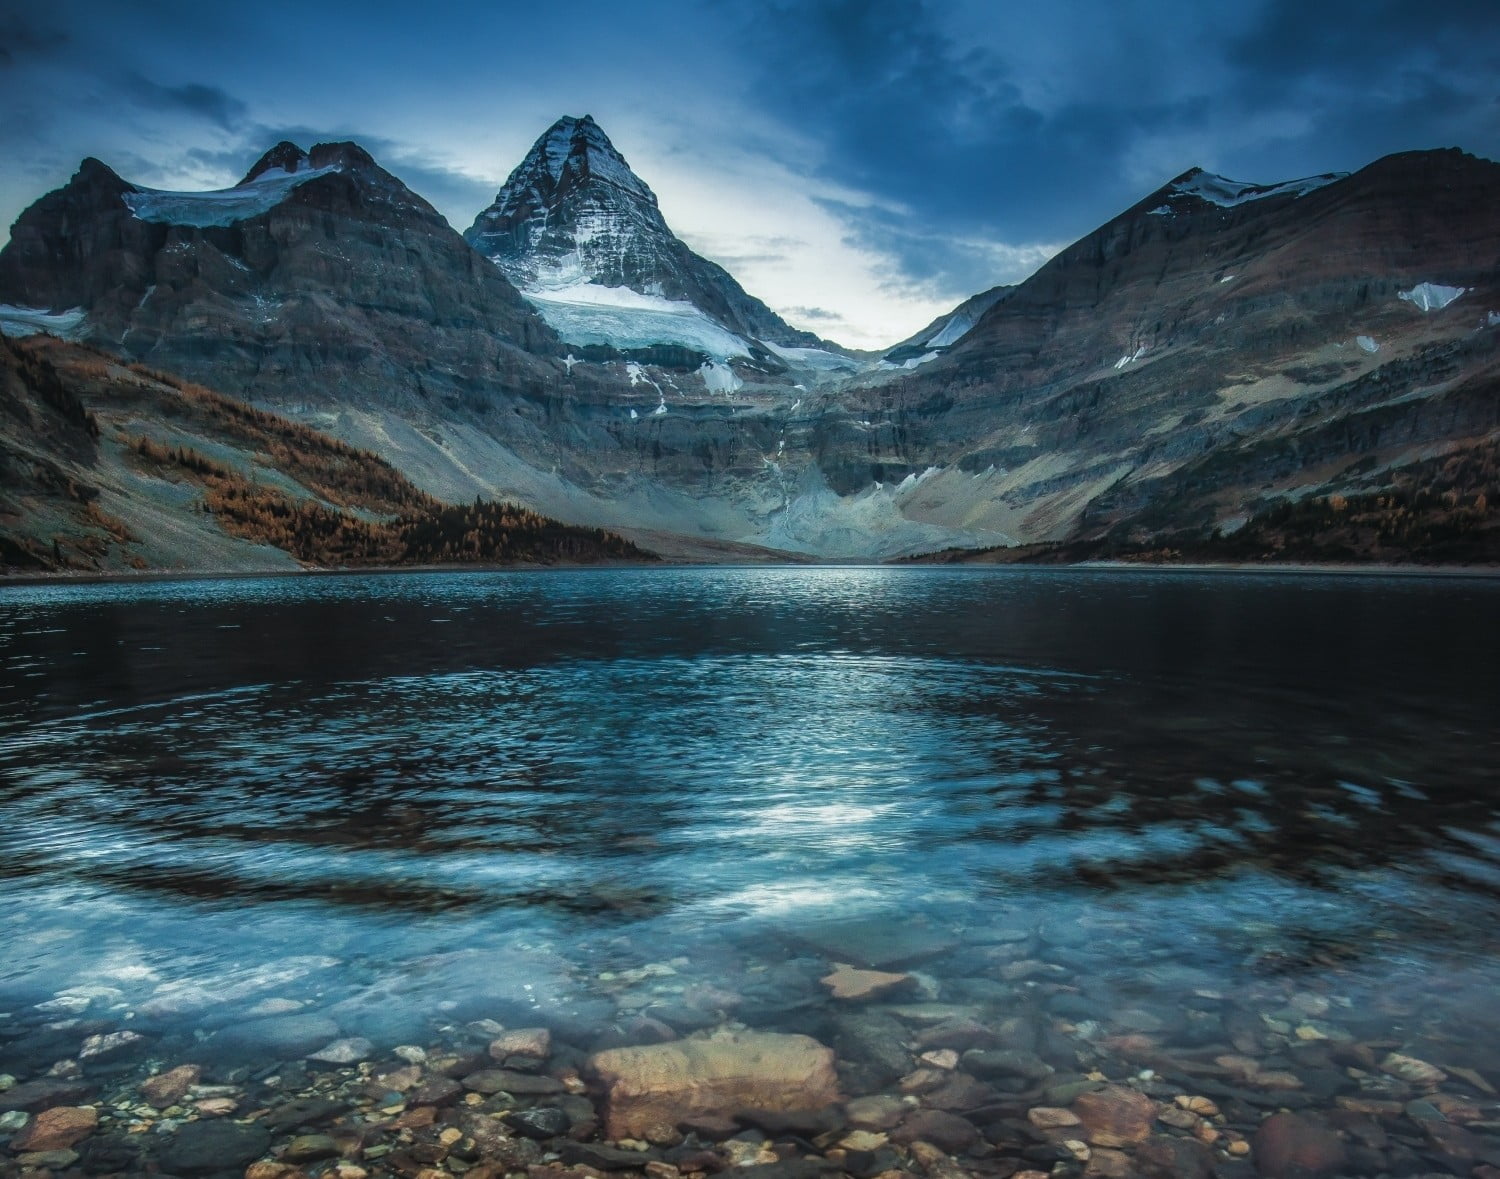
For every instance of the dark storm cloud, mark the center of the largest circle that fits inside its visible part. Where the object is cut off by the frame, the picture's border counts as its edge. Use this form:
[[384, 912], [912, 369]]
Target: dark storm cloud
[[22, 36], [194, 99]]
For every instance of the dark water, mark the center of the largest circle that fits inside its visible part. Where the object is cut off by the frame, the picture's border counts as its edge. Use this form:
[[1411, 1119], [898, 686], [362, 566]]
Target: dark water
[[405, 799]]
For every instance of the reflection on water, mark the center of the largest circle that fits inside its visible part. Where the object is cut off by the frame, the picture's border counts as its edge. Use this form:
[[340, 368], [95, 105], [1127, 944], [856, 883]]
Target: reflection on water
[[346, 788]]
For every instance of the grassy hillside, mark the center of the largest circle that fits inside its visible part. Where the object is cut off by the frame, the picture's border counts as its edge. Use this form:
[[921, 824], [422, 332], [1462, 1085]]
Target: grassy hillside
[[106, 466]]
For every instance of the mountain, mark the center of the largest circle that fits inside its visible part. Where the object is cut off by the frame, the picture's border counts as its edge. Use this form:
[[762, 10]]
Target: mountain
[[319, 275], [105, 467], [582, 237], [944, 331], [1214, 349]]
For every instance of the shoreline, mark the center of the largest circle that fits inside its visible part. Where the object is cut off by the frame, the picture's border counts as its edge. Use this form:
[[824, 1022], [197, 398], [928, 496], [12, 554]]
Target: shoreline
[[124, 576]]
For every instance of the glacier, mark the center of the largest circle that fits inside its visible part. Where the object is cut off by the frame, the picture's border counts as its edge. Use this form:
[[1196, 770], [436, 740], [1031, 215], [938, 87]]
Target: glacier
[[221, 207], [618, 317]]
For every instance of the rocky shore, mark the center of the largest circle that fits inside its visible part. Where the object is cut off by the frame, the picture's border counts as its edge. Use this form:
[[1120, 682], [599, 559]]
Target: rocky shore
[[871, 1051]]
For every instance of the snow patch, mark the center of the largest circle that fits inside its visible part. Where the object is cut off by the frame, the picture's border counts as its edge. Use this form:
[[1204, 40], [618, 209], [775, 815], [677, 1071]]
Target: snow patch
[[914, 362], [28, 321], [1367, 344], [224, 206], [570, 360], [720, 378], [1227, 194], [1430, 296], [634, 416], [1494, 319], [814, 358], [618, 317], [1131, 357], [1229, 278]]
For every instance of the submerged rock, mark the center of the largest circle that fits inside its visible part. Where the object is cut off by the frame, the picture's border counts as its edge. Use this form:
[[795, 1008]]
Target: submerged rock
[[59, 1128], [1288, 1146], [847, 982], [660, 1085]]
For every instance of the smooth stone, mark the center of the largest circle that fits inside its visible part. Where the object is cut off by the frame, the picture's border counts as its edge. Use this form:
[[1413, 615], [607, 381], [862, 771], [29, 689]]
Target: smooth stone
[[498, 1080], [662, 1084], [1288, 1146], [878, 943], [541, 1123], [283, 1037], [12, 1120], [33, 1096], [1006, 1062], [346, 1051], [170, 1087], [105, 1045], [1115, 1116], [204, 1148], [534, 1042], [850, 983], [304, 1113], [311, 1148], [604, 1158], [946, 1131], [59, 1128]]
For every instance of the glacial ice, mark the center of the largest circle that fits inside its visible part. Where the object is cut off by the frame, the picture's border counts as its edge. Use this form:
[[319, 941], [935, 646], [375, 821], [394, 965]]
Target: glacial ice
[[1430, 296], [1226, 193], [720, 378], [28, 321], [618, 317], [221, 207]]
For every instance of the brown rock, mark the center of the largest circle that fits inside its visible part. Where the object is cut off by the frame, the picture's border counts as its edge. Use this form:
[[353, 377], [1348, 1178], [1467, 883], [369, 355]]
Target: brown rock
[[170, 1087], [947, 1131], [1174, 1158], [1288, 1146], [1045, 1117], [533, 1042], [665, 1083], [56, 1129], [1115, 1116], [879, 1112], [1109, 1164], [847, 982], [1409, 1068]]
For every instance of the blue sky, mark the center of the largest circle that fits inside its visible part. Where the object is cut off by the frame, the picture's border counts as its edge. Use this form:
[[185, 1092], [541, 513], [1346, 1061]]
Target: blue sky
[[859, 164]]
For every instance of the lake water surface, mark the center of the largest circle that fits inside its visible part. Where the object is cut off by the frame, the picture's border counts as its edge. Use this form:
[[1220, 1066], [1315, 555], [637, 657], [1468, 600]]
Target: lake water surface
[[1117, 803]]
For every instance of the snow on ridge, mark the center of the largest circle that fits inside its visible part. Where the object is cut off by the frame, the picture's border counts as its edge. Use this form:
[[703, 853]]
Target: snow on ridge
[[720, 378], [224, 206], [1430, 296], [1227, 194], [28, 321], [618, 317]]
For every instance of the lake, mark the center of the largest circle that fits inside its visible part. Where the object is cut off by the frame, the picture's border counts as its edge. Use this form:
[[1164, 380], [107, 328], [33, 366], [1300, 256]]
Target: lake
[[1130, 823]]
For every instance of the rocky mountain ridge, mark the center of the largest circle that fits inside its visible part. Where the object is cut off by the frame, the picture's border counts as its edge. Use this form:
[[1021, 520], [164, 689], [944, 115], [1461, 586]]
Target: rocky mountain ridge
[[578, 231]]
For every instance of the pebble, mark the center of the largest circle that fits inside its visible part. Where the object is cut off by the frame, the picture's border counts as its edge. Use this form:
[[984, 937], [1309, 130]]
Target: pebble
[[1409, 1068], [410, 1053]]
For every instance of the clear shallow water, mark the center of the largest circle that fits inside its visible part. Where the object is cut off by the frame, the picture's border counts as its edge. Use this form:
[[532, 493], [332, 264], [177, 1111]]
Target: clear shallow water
[[409, 799]]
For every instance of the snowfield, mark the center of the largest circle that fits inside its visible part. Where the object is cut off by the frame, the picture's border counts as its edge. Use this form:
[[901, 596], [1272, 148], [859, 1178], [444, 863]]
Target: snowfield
[[221, 207], [618, 317], [28, 321], [1430, 296], [1227, 194]]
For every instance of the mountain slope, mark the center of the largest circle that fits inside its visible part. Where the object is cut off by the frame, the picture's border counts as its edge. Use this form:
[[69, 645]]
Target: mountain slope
[[106, 467], [1215, 347], [575, 229]]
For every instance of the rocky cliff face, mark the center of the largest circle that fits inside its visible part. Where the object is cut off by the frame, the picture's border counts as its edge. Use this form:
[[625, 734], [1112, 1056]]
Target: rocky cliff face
[[319, 278], [574, 221]]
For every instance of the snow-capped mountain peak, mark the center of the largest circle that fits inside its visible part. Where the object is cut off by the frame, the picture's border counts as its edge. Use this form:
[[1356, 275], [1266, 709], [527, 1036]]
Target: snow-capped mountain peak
[[573, 218]]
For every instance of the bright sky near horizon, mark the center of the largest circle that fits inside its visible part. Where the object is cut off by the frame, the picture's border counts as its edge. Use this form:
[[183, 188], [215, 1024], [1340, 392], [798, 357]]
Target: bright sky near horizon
[[861, 165]]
